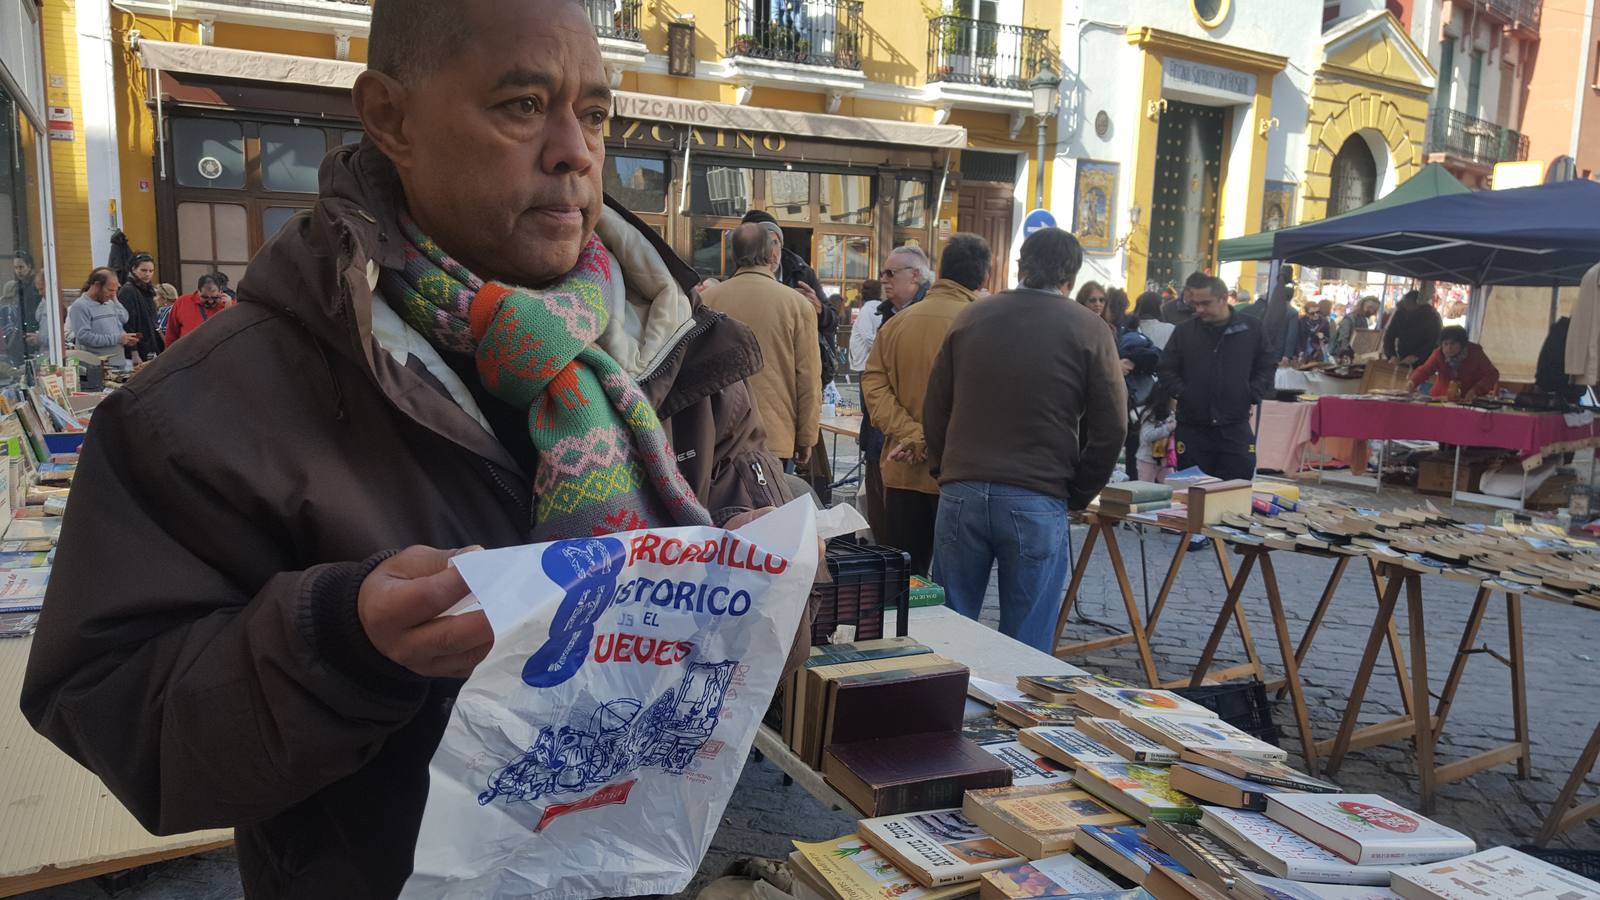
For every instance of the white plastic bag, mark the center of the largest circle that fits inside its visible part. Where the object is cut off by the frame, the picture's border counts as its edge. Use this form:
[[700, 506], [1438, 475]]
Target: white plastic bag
[[592, 753]]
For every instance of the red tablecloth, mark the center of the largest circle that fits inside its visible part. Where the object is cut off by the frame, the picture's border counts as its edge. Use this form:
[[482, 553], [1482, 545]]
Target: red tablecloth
[[1528, 433]]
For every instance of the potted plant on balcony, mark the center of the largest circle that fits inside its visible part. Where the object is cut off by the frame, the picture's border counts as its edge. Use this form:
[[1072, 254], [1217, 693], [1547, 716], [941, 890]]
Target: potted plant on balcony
[[802, 50], [742, 45]]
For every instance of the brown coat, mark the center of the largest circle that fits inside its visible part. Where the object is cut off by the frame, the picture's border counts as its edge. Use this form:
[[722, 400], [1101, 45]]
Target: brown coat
[[896, 380], [201, 650], [788, 388]]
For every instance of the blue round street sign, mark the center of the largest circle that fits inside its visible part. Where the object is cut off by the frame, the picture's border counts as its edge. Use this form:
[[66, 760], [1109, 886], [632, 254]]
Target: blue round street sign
[[1039, 218]]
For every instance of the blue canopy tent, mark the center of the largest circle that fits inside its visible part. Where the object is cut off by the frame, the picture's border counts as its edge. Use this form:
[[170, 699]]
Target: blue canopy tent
[[1547, 235]]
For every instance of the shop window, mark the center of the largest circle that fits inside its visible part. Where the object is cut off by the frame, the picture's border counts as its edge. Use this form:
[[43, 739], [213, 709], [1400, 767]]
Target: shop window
[[843, 260], [638, 183], [788, 194], [212, 237], [722, 191], [711, 256], [273, 218], [847, 199], [352, 137], [209, 153], [911, 204], [290, 158]]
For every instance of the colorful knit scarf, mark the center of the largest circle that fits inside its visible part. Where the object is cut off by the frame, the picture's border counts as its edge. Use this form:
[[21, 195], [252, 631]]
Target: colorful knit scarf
[[603, 467]]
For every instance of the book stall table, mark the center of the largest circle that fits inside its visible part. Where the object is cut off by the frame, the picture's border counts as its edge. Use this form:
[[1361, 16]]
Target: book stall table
[[1533, 435], [850, 427], [1103, 529], [69, 826], [1564, 816]]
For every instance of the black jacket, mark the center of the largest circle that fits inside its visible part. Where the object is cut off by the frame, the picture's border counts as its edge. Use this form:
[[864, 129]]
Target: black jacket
[[140, 302], [1218, 372], [1413, 332], [1550, 375]]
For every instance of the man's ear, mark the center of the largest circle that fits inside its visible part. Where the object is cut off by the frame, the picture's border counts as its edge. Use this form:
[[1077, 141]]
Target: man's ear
[[380, 102]]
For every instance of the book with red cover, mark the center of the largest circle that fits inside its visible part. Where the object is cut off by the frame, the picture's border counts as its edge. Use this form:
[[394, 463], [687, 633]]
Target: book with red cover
[[889, 704], [911, 773]]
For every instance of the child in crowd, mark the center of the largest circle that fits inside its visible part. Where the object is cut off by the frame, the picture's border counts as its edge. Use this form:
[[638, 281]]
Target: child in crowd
[[1157, 455]]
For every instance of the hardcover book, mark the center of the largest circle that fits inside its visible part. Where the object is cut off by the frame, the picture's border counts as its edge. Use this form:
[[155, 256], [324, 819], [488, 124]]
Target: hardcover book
[[1135, 492], [1498, 872], [911, 773], [1367, 829], [1284, 853], [1031, 714], [1143, 792], [1191, 733], [851, 870], [938, 847], [1131, 744], [889, 704], [1056, 688], [1218, 788], [1067, 745], [1037, 821], [1110, 702], [811, 696], [801, 683], [1063, 875]]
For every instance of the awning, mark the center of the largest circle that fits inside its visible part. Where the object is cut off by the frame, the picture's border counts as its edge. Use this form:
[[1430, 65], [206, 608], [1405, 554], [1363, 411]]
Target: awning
[[282, 68]]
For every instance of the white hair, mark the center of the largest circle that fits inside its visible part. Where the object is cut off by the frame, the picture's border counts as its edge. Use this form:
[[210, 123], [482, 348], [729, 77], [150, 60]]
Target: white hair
[[923, 266]]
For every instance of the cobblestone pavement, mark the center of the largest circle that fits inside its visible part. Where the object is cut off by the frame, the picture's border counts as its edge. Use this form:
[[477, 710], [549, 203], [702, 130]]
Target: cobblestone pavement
[[1493, 807]]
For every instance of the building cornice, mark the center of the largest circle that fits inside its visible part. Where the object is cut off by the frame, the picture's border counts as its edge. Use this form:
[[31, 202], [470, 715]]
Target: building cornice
[[1154, 40]]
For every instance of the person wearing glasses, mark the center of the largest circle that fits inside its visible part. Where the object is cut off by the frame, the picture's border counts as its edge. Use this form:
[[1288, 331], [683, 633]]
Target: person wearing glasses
[[138, 297], [905, 279]]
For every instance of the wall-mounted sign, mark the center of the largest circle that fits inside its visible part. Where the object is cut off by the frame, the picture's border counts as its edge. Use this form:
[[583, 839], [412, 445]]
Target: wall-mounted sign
[[210, 168], [707, 137], [1186, 80], [60, 123]]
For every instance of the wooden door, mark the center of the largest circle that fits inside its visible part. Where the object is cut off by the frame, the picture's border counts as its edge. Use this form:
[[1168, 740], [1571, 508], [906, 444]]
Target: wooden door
[[1183, 223], [985, 209]]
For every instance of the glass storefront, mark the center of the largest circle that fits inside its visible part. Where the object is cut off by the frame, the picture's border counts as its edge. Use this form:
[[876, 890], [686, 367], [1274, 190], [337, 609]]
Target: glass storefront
[[25, 320]]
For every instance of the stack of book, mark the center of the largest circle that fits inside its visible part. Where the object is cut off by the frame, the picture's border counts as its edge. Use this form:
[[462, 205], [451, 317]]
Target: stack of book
[[1131, 497]]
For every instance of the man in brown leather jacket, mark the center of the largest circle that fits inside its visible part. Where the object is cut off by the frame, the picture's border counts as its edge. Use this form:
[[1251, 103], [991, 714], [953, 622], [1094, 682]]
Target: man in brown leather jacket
[[252, 651]]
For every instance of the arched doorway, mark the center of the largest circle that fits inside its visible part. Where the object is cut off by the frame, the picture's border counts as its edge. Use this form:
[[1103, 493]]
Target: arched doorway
[[1355, 177]]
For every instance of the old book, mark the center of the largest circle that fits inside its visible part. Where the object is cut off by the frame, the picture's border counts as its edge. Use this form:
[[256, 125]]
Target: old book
[[1143, 792], [850, 869], [1207, 858], [1063, 875], [1498, 872], [1284, 852], [1168, 883], [1275, 774], [1191, 733], [1027, 767], [1124, 510], [1209, 503], [1123, 850], [1067, 744], [990, 693], [1050, 688], [1110, 702], [812, 696], [911, 773], [1367, 829], [938, 847], [1032, 714], [22, 590], [1256, 886], [796, 688], [1037, 821], [1218, 788], [27, 528], [1135, 492], [988, 729], [1133, 746], [897, 702], [24, 560]]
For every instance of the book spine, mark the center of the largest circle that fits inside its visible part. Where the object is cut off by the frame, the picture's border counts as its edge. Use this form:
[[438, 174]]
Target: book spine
[[1185, 816]]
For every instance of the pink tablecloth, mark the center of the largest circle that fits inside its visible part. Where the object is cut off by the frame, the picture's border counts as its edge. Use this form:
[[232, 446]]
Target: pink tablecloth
[[1526, 432], [1285, 433]]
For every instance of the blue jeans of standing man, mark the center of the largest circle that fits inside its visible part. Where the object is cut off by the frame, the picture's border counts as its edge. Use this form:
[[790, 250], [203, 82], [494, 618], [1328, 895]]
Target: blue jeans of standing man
[[981, 523]]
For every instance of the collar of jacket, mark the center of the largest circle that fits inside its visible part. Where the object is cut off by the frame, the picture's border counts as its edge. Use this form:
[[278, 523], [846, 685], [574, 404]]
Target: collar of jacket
[[763, 271], [321, 272], [945, 289]]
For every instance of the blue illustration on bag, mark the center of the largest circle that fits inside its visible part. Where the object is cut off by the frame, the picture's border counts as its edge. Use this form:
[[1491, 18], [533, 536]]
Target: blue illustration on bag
[[621, 736], [587, 570]]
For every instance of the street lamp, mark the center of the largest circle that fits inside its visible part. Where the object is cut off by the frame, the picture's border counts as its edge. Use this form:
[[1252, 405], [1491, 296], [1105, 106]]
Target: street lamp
[[1046, 88]]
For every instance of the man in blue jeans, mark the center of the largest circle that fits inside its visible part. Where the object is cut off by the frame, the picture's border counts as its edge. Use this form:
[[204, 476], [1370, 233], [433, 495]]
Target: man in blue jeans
[[1024, 418]]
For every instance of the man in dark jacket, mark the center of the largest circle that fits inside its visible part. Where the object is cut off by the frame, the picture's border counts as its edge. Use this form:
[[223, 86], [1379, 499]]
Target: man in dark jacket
[[253, 651], [1218, 365], [1413, 333], [138, 296]]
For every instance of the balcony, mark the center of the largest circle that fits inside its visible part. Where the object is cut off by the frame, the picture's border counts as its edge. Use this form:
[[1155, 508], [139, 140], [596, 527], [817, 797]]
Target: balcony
[[823, 33], [616, 20], [1473, 140], [1520, 15], [988, 54]]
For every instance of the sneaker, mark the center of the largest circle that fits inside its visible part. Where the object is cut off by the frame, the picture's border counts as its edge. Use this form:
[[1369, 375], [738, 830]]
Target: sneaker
[[1198, 543]]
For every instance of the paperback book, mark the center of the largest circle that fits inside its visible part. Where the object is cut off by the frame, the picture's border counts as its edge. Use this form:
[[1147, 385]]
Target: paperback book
[[1367, 829], [939, 847], [1284, 853], [1498, 872], [1276, 774], [1068, 745], [1143, 792], [851, 870], [1037, 821], [1123, 850], [1033, 713], [1132, 745], [1110, 702], [1063, 875], [1028, 768]]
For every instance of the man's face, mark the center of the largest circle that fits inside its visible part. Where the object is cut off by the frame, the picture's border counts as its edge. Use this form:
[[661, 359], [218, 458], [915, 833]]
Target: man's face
[[1208, 306], [210, 294], [110, 288], [20, 268], [503, 141], [1452, 349], [145, 272], [899, 278]]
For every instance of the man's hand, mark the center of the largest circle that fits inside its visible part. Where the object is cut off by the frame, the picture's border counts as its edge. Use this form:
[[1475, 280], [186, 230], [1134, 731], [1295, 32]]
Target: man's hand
[[802, 456], [1127, 366], [400, 606], [130, 340], [811, 297]]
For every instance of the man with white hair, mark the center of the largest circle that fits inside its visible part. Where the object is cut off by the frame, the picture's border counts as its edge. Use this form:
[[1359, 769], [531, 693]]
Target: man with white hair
[[788, 388], [905, 279]]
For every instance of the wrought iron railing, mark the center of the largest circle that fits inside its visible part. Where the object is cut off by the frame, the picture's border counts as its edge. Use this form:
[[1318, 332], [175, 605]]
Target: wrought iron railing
[[969, 51], [811, 32], [616, 19], [1471, 138], [1519, 13]]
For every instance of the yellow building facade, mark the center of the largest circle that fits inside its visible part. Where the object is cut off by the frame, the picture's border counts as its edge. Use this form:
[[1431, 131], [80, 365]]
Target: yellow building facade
[[859, 126]]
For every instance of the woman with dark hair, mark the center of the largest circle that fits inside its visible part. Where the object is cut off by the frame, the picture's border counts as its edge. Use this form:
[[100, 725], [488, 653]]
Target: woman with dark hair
[[1147, 309], [138, 297], [1092, 296], [1363, 318], [1459, 368]]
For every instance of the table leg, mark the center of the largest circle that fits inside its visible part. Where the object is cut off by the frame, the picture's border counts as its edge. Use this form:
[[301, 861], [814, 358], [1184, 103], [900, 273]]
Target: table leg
[[1369, 659], [1458, 668], [1135, 618], [1419, 688], [1144, 575], [1397, 656], [1078, 570], [1168, 583], [1222, 562], [1562, 815], [1317, 616], [1228, 606], [1519, 685], [1455, 476], [1291, 665], [1383, 457], [1250, 653]]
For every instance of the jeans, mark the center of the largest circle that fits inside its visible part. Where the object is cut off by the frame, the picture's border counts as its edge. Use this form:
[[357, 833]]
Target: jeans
[[981, 523]]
